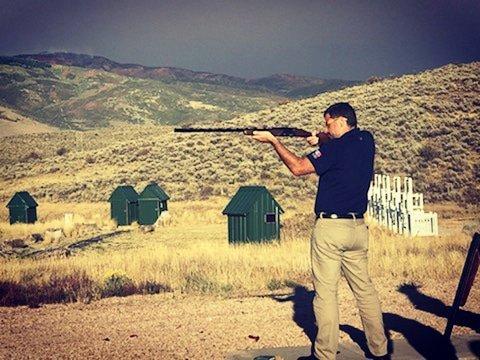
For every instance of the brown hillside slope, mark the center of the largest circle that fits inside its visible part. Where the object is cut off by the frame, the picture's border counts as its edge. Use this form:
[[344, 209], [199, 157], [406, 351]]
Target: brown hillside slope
[[425, 126], [13, 123]]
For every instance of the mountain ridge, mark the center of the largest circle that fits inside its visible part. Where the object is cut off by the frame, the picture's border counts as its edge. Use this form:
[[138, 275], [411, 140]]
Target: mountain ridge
[[72, 97], [292, 86]]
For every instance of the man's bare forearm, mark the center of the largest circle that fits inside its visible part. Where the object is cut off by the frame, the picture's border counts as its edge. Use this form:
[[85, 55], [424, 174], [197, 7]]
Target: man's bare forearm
[[297, 165]]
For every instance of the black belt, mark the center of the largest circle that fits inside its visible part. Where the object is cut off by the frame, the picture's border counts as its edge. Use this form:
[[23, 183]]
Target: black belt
[[339, 216]]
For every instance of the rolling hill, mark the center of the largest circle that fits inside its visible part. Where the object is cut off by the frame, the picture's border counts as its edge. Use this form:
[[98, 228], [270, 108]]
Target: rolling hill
[[12, 123], [71, 97], [298, 87], [425, 126]]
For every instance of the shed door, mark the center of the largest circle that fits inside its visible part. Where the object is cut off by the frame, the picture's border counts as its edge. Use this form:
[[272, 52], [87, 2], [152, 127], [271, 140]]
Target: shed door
[[132, 212], [237, 228], [148, 211], [18, 214], [31, 215], [118, 212]]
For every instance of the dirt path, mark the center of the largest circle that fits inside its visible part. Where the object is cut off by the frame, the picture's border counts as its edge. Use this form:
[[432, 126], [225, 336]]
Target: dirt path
[[175, 326]]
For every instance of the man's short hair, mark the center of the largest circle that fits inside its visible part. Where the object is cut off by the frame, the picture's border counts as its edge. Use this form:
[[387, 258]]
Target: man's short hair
[[342, 109]]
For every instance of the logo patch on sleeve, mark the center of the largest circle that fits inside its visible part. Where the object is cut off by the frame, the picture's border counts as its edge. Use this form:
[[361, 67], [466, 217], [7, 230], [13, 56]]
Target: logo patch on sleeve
[[316, 154]]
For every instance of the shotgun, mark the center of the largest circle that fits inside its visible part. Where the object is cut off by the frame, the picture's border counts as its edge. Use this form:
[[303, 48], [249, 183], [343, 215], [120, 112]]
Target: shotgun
[[276, 131]]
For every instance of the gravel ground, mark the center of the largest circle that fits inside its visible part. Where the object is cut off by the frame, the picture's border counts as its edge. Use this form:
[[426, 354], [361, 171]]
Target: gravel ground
[[177, 326]]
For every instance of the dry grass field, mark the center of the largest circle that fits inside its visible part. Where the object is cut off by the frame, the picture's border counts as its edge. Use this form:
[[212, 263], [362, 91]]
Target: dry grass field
[[192, 255]]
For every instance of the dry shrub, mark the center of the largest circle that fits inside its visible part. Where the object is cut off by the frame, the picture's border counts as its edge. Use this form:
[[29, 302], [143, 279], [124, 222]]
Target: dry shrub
[[143, 152], [33, 156], [197, 282], [152, 287], [77, 286], [74, 287], [61, 151], [118, 284], [90, 159], [206, 192], [429, 152]]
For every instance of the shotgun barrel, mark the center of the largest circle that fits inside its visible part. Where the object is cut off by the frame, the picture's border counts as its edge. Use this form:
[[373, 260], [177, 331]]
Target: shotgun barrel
[[276, 131]]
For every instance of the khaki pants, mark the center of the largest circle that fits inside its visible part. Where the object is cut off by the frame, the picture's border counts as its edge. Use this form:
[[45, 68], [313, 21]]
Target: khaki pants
[[341, 245]]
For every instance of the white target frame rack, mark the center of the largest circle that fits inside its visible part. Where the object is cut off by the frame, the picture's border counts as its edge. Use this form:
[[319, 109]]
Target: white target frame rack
[[398, 208]]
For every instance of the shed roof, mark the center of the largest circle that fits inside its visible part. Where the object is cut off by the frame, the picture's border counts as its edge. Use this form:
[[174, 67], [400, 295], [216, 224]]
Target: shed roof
[[125, 192], [153, 191], [243, 200], [22, 198]]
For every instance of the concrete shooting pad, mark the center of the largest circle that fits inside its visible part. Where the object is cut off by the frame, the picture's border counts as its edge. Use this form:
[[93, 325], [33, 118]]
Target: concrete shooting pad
[[464, 347]]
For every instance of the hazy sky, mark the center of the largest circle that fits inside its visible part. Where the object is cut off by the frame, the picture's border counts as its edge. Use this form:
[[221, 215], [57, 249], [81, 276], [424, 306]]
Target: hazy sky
[[329, 39]]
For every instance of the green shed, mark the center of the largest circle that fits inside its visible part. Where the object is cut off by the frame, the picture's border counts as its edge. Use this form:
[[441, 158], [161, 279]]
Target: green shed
[[151, 202], [253, 215], [23, 208], [124, 205]]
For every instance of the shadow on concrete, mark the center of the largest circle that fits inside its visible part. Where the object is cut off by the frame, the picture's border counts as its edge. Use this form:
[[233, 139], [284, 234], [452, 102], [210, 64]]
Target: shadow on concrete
[[302, 310], [358, 337], [437, 307], [427, 341]]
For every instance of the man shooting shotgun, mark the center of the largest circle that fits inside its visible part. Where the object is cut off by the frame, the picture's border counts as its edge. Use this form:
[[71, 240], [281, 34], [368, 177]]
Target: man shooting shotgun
[[339, 242]]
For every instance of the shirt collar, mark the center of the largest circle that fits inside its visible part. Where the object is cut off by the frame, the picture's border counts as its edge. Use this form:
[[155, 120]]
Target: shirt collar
[[349, 133]]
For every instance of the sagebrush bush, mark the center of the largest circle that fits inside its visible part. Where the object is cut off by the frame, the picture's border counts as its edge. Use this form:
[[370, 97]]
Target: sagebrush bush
[[118, 284], [61, 151]]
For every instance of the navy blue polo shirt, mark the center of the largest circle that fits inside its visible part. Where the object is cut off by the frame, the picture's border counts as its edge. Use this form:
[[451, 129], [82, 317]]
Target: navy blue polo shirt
[[345, 168]]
